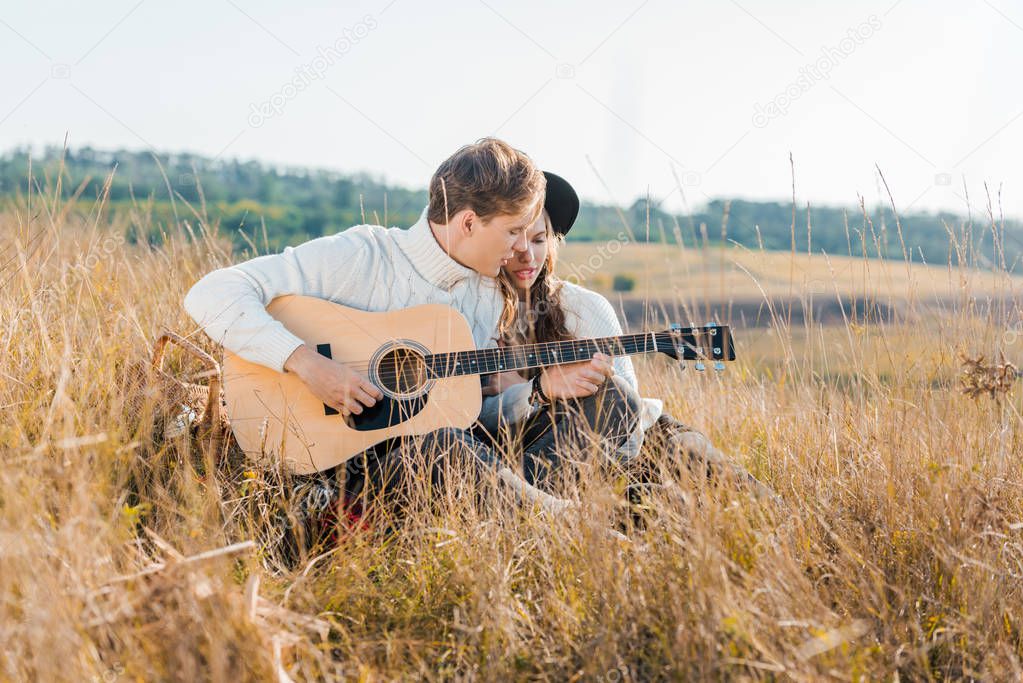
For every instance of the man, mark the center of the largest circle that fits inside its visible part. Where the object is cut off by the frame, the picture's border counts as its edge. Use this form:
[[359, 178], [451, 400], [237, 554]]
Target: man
[[482, 199]]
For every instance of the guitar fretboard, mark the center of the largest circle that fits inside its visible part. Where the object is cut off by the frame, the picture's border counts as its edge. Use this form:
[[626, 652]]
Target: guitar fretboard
[[502, 359]]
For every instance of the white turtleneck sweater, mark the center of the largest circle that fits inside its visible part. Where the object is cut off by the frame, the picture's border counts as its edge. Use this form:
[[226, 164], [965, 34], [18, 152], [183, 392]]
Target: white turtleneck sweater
[[368, 267]]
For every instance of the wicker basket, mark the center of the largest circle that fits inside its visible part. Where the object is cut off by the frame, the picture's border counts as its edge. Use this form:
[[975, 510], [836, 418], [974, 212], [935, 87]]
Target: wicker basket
[[178, 407]]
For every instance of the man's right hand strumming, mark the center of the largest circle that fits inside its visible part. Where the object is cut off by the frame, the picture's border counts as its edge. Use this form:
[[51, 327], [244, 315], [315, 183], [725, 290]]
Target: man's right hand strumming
[[337, 385]]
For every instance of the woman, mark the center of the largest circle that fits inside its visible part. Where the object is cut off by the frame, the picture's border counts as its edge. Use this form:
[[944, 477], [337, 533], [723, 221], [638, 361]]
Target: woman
[[540, 307]]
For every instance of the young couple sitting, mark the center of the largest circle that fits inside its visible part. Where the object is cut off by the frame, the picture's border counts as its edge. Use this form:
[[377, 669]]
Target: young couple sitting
[[486, 245]]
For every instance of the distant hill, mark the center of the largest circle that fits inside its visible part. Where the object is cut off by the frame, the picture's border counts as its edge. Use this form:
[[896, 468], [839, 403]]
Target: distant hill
[[300, 203]]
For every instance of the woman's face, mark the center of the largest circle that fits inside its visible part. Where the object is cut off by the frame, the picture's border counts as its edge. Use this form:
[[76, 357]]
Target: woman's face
[[525, 266]]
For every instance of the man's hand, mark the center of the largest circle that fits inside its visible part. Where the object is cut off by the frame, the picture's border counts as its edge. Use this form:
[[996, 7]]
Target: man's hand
[[501, 381], [337, 385], [576, 380]]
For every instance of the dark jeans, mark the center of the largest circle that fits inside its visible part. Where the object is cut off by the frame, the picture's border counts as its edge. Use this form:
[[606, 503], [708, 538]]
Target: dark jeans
[[551, 436], [570, 431], [389, 476], [382, 479], [390, 471]]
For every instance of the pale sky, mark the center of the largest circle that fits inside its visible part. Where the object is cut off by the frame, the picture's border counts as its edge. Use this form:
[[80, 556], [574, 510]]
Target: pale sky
[[618, 97]]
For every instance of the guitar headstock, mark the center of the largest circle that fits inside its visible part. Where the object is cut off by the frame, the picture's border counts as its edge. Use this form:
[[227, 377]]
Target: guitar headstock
[[711, 342]]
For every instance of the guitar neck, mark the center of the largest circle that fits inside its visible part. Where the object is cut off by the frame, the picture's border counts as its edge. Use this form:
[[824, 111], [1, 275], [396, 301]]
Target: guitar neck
[[503, 359]]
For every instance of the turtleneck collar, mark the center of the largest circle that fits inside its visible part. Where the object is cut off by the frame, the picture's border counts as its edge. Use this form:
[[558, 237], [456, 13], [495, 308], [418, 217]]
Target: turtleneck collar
[[430, 259]]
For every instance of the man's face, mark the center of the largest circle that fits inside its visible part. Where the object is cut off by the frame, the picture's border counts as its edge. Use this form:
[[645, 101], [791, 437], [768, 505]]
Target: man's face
[[496, 241]]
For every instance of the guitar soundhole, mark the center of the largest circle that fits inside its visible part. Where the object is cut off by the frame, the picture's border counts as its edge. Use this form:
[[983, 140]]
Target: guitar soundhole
[[402, 371]]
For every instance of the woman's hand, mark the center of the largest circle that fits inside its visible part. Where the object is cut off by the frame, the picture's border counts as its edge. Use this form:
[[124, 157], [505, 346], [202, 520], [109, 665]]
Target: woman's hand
[[576, 380], [501, 381]]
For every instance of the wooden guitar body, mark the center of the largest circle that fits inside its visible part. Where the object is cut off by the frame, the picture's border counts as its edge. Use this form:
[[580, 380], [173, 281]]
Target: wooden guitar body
[[275, 417]]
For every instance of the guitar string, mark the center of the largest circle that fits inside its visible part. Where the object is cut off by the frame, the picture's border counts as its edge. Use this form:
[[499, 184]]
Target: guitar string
[[496, 363], [488, 357], [389, 378], [492, 356]]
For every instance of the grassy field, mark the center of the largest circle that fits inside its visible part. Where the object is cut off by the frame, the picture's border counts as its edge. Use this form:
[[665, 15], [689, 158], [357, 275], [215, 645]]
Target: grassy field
[[126, 555], [741, 273]]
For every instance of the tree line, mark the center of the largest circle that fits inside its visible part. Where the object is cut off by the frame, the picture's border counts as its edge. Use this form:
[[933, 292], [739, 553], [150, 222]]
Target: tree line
[[295, 204]]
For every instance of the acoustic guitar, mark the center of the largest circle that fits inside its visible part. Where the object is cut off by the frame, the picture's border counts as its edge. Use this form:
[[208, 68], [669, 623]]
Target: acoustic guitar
[[424, 361]]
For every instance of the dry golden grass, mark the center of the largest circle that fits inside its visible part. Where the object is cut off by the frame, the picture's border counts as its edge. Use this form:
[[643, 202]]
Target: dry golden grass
[[900, 554]]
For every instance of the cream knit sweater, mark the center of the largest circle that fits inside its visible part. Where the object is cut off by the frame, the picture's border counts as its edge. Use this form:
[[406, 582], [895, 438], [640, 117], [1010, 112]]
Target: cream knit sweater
[[367, 267]]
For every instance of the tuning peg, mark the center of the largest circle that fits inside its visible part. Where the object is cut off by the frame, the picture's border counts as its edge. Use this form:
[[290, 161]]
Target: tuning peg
[[700, 366], [719, 366]]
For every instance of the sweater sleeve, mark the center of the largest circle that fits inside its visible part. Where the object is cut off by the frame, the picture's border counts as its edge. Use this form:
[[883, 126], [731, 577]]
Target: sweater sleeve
[[591, 315], [229, 304]]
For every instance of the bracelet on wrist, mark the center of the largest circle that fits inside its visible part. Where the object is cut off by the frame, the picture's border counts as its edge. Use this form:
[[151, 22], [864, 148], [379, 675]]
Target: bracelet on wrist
[[537, 395]]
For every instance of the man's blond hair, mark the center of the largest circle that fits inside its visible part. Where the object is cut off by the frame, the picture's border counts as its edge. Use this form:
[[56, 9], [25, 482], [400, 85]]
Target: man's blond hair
[[490, 177]]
